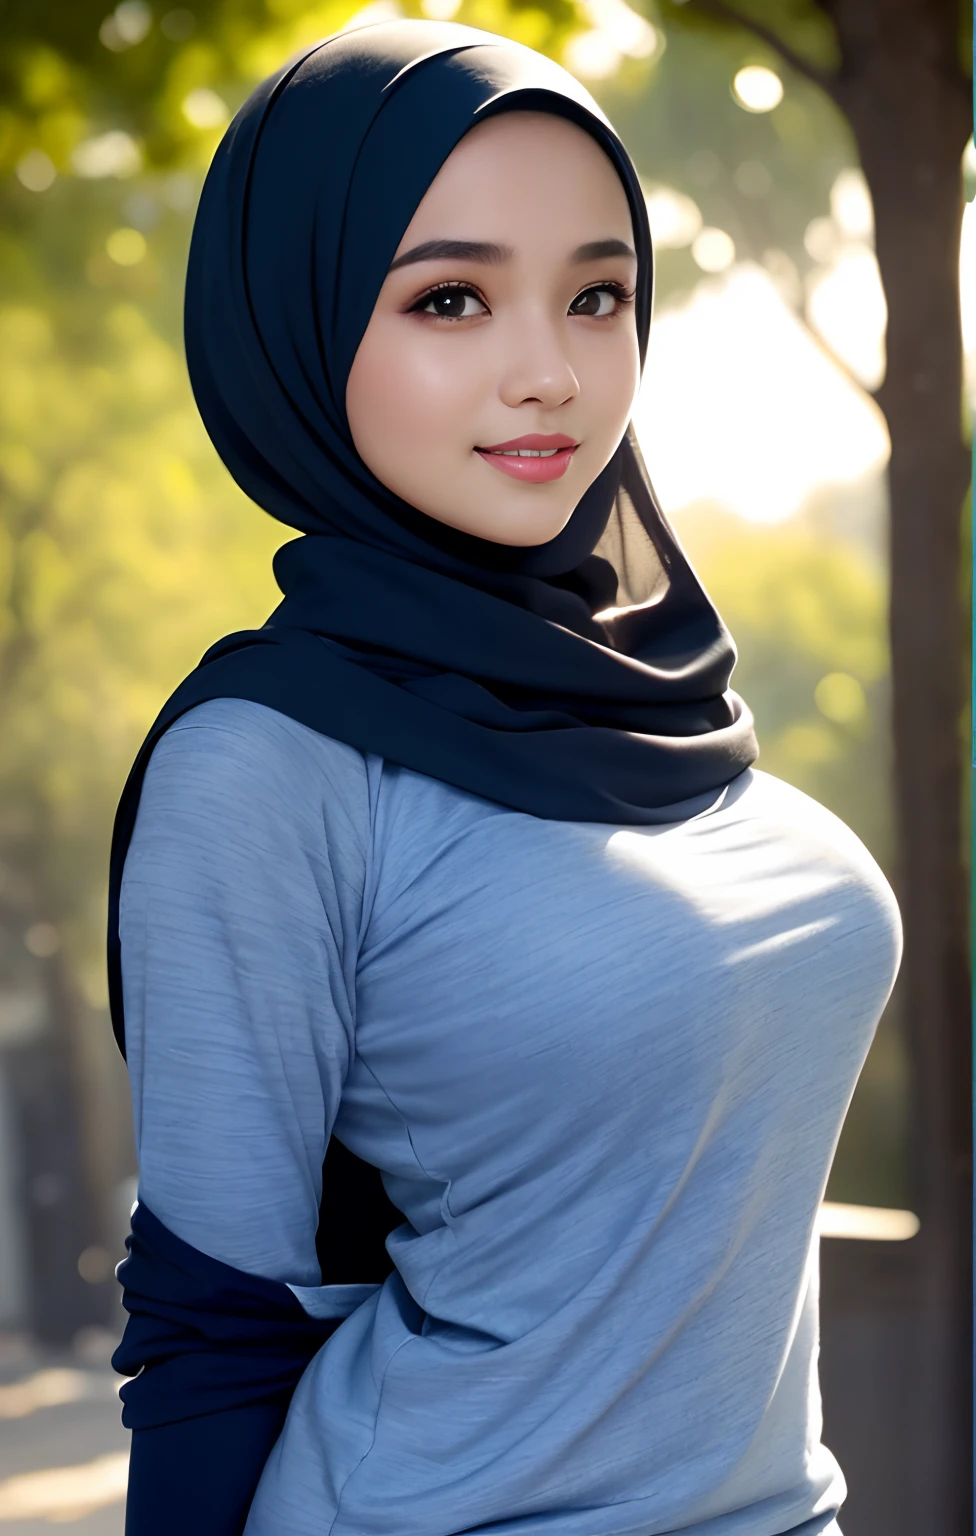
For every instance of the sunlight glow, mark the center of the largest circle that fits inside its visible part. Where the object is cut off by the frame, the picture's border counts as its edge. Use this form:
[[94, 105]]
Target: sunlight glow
[[846, 307], [45, 1389], [115, 153], [845, 301], [742, 407], [875, 1223], [62, 1494], [616, 32], [823, 239], [592, 55], [967, 294], [850, 205], [383, 10], [630, 32], [674, 218]]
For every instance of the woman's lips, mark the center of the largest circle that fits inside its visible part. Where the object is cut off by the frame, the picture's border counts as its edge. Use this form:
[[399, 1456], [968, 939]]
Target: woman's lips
[[534, 458]]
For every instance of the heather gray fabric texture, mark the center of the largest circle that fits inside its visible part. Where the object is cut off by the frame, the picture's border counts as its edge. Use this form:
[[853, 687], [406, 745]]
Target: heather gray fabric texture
[[604, 1315]]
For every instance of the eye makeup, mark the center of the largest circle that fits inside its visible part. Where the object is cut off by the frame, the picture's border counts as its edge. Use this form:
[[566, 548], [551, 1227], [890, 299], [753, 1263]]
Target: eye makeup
[[449, 292], [455, 291]]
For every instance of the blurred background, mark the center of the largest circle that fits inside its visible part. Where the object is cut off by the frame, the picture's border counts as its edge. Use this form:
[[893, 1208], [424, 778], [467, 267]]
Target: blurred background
[[805, 417]]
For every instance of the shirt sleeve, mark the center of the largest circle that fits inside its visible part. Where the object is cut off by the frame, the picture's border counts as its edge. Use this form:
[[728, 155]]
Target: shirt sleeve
[[240, 911]]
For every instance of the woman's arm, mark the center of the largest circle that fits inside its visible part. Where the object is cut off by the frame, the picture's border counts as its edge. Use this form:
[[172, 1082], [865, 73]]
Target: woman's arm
[[197, 1477], [218, 1353], [240, 908]]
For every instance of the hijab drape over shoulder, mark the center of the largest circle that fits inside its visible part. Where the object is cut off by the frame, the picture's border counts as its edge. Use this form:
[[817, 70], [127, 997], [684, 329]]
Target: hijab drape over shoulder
[[582, 679]]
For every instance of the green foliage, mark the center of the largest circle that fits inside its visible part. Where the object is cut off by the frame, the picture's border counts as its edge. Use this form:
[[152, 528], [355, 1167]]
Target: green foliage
[[801, 25], [807, 613], [125, 549], [66, 74]]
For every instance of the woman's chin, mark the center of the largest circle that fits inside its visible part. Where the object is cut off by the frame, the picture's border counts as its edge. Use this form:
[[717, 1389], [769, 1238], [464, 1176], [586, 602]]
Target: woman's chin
[[521, 515], [524, 531]]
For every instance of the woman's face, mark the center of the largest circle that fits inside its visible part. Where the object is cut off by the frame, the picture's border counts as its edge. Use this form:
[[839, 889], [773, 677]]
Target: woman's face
[[505, 323]]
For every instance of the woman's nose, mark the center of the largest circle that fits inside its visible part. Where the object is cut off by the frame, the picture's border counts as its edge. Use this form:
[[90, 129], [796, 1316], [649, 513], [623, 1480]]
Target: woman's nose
[[538, 368]]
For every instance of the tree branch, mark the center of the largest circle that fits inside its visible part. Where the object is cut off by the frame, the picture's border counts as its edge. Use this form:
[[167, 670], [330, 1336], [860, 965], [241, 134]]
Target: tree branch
[[838, 362], [722, 11]]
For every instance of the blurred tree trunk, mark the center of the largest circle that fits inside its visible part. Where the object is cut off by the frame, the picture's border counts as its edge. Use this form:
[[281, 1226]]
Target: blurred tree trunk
[[903, 89], [60, 1219], [56, 1196], [62, 1208], [906, 97]]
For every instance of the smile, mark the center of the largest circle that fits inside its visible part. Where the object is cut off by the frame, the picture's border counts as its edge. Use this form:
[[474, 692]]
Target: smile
[[533, 459]]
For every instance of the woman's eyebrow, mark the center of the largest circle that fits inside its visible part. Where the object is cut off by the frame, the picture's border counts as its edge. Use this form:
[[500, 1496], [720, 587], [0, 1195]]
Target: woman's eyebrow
[[486, 251], [454, 250], [594, 250]]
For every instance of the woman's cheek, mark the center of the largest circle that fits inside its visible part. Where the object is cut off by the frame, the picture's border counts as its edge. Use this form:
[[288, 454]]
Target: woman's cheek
[[609, 377], [404, 402], [443, 375]]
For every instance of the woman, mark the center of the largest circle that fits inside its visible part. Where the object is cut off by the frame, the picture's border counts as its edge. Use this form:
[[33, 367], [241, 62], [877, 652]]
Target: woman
[[461, 862]]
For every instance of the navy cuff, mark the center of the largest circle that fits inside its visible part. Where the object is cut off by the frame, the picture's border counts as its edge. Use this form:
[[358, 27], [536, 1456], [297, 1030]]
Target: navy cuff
[[202, 1336]]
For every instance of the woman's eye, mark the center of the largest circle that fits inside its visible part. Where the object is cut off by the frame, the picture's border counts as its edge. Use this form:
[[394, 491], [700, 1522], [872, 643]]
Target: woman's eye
[[453, 303], [597, 302]]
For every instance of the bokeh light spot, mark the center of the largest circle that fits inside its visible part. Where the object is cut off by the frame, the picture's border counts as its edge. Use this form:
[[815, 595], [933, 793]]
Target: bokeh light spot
[[841, 698], [43, 940], [115, 153], [126, 26], [675, 219], [126, 247], [95, 1264], [713, 249], [35, 171], [203, 108], [757, 89]]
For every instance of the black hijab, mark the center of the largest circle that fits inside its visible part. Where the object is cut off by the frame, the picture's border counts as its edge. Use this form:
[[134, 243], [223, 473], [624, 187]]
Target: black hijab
[[484, 665]]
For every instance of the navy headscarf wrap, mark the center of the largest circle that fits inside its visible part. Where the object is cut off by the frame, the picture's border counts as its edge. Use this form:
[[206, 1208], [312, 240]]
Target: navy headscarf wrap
[[493, 668]]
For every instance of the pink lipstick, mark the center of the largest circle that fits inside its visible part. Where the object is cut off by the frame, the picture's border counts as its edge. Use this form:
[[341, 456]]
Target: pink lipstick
[[534, 458]]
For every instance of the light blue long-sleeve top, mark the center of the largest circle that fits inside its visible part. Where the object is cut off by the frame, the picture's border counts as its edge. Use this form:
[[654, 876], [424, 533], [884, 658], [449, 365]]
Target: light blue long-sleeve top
[[603, 1071]]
